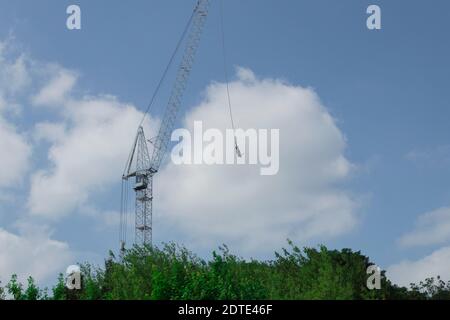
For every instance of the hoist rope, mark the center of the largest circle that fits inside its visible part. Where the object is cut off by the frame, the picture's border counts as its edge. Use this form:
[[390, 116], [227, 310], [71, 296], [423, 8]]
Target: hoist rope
[[225, 64], [124, 211], [127, 184]]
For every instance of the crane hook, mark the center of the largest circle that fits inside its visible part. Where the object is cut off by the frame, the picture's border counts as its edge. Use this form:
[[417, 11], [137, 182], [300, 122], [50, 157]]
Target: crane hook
[[236, 148]]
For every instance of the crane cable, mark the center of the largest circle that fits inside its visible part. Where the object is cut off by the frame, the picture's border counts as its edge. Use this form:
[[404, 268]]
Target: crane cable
[[124, 214], [169, 64], [225, 64]]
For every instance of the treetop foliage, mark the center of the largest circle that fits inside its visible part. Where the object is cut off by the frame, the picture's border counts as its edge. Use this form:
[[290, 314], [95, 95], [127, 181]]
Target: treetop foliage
[[174, 273]]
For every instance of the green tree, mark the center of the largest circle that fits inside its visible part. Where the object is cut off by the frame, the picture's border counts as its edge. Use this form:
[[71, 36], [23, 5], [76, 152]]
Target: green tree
[[59, 290], [322, 274], [32, 292], [15, 288]]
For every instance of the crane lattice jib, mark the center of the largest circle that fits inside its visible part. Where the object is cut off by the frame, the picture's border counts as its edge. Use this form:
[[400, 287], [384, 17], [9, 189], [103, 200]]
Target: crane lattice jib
[[162, 140]]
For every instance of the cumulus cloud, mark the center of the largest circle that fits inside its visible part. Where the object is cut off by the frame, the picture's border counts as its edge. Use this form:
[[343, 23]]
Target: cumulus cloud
[[107, 219], [86, 151], [15, 155], [88, 148], [50, 132], [238, 206], [431, 228], [433, 265], [15, 77], [32, 253], [15, 149], [55, 92], [88, 141], [15, 74]]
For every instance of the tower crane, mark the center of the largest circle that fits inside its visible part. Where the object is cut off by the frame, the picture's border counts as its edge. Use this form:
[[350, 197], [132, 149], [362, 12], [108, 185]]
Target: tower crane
[[142, 165]]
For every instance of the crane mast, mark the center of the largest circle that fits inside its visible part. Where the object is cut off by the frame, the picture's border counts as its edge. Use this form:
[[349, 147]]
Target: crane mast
[[145, 166]]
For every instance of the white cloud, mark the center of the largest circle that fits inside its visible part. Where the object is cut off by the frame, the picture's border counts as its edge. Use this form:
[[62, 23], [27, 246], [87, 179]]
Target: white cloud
[[15, 74], [55, 92], [15, 77], [89, 146], [107, 219], [431, 228], [234, 204], [32, 253], [433, 265], [87, 156], [51, 132], [15, 151], [14, 157]]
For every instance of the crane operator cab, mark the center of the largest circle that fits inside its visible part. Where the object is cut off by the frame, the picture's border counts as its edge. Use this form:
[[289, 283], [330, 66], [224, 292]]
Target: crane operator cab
[[141, 182]]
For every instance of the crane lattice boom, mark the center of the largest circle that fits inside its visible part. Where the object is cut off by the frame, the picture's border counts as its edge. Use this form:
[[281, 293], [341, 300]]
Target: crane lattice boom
[[173, 106]]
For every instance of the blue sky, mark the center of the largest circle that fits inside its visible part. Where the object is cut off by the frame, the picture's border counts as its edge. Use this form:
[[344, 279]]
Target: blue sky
[[385, 89]]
